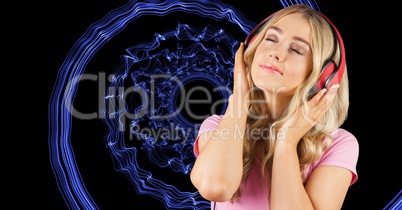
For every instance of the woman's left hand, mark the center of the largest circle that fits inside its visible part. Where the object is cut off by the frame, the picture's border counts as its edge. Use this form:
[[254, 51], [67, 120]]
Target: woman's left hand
[[307, 117]]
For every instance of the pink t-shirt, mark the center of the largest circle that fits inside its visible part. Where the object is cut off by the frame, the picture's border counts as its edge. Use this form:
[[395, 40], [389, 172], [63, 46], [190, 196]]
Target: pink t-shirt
[[343, 152]]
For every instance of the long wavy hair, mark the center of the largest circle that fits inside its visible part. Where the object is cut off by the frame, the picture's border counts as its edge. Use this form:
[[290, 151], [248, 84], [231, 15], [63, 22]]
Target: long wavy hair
[[311, 146]]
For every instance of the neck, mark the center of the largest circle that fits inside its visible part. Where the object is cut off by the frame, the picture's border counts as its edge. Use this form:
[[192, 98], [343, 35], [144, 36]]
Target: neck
[[276, 103]]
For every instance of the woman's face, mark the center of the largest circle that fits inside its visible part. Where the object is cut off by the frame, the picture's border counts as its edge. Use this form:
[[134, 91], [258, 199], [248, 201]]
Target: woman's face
[[283, 59]]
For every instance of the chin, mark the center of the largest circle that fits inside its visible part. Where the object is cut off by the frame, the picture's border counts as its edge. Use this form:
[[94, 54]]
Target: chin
[[262, 86]]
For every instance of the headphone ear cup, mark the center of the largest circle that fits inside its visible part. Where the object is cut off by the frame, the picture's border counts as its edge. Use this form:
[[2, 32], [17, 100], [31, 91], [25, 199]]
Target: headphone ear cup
[[328, 76], [248, 42]]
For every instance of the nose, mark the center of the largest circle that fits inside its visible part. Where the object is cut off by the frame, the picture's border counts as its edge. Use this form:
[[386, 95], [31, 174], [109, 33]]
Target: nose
[[274, 55]]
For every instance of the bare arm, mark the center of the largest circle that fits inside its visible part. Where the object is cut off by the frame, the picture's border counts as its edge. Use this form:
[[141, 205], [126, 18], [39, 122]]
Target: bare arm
[[325, 189], [218, 169], [327, 185]]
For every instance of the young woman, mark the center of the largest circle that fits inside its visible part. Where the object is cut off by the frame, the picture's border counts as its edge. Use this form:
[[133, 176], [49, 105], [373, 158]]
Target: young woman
[[279, 144]]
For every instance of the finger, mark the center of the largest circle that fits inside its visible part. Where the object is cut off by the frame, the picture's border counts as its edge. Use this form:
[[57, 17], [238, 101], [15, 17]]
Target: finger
[[239, 72], [326, 100], [239, 61], [320, 104], [329, 96], [322, 94]]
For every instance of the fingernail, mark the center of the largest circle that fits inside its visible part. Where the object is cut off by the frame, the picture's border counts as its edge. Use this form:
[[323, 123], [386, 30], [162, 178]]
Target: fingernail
[[334, 86]]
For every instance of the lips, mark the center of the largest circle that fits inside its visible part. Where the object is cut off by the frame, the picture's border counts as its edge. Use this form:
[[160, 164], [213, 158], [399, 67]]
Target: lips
[[271, 68]]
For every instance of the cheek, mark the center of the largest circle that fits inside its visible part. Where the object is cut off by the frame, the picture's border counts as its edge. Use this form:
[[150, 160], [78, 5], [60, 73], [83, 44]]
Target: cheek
[[253, 75], [300, 66], [255, 69], [256, 77], [299, 74]]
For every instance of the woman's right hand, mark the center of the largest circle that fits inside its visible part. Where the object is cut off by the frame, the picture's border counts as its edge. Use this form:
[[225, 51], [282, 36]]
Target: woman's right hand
[[218, 169], [239, 100]]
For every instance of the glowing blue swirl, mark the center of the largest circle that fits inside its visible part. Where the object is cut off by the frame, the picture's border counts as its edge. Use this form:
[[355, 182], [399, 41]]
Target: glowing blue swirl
[[180, 66], [60, 109], [173, 69]]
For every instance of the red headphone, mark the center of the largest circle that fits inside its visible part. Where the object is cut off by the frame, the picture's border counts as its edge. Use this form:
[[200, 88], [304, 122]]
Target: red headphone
[[330, 73]]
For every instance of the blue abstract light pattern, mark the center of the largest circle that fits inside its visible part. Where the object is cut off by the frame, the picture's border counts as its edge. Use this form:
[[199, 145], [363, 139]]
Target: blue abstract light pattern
[[395, 203], [146, 102], [204, 54]]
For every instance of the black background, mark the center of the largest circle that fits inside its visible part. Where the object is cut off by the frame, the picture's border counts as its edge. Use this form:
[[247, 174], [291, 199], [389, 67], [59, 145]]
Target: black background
[[378, 167]]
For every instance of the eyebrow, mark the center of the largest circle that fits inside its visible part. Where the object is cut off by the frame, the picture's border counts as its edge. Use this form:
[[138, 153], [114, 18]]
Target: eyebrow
[[296, 37]]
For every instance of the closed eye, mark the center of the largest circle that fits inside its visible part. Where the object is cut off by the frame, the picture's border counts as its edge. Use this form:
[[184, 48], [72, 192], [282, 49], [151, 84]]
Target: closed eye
[[296, 48], [296, 51], [271, 40]]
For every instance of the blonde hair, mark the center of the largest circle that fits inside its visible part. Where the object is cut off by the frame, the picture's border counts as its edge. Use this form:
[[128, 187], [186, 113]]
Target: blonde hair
[[311, 146]]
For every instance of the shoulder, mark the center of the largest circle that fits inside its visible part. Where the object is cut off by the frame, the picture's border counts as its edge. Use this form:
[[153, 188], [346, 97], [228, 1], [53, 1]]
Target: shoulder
[[343, 139], [343, 151], [210, 122]]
